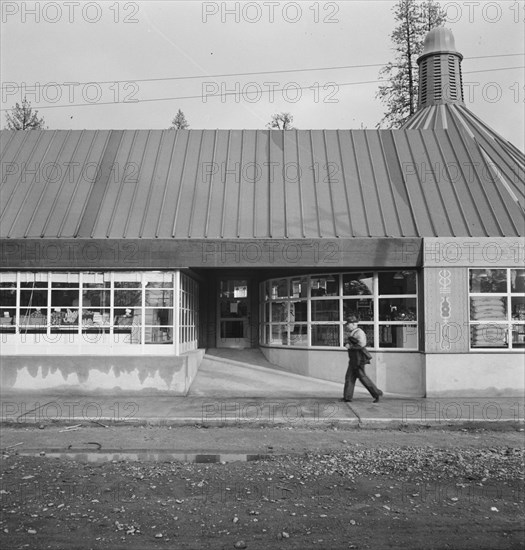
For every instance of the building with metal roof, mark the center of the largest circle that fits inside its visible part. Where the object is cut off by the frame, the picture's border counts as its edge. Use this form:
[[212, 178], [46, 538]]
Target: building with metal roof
[[133, 251]]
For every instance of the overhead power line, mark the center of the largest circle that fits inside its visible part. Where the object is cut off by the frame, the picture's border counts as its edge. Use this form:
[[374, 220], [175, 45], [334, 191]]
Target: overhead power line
[[253, 73], [273, 90]]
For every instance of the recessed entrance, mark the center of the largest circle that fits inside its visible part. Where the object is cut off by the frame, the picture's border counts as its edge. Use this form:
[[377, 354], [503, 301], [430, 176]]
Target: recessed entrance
[[233, 310]]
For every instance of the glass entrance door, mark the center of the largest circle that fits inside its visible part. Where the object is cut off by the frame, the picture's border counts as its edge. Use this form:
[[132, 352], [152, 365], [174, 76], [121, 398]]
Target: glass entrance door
[[233, 310]]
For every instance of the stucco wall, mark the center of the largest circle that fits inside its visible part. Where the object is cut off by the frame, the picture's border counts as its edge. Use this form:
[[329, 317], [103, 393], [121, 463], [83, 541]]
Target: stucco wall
[[170, 374], [475, 374], [399, 373]]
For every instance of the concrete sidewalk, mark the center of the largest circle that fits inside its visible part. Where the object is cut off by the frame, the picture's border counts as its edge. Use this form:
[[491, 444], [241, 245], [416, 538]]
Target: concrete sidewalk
[[254, 411], [241, 388]]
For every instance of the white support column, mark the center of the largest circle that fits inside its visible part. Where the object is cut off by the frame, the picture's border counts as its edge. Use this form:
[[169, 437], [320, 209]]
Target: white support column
[[176, 311]]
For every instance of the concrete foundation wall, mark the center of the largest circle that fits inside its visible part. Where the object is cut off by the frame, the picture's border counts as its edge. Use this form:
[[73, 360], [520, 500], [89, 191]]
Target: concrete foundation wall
[[475, 374], [80, 374], [399, 373]]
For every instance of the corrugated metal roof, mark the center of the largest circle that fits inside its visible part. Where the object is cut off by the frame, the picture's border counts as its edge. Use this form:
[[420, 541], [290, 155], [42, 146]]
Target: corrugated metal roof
[[253, 184], [506, 162]]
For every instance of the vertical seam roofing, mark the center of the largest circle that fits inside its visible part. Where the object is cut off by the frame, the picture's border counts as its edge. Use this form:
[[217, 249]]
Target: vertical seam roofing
[[421, 187], [376, 183], [74, 194], [210, 184], [150, 194], [345, 186], [137, 185], [166, 186], [195, 184], [484, 191], [410, 202], [46, 185], [61, 188], [390, 187], [348, 183], [179, 194], [255, 180], [455, 191], [119, 191], [19, 178], [330, 191], [359, 182], [241, 185], [31, 184], [98, 189], [439, 192]]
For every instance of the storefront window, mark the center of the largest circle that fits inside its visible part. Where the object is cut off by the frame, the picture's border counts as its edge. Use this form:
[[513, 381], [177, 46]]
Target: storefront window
[[497, 308], [115, 308], [310, 310]]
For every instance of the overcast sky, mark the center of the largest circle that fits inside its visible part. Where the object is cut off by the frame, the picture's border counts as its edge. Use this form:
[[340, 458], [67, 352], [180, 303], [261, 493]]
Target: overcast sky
[[106, 42]]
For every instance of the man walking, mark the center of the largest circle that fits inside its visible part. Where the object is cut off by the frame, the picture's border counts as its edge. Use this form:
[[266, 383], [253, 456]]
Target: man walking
[[355, 342]]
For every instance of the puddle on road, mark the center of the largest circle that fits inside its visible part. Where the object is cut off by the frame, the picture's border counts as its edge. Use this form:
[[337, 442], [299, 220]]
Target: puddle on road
[[146, 456]]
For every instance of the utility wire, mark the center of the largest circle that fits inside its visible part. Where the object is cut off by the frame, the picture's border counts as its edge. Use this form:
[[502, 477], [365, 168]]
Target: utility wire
[[240, 93], [193, 77]]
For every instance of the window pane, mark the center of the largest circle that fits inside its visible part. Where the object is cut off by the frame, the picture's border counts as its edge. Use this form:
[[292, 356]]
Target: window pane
[[128, 298], [279, 289], [300, 310], [30, 279], [6, 278], [299, 336], [279, 311], [325, 310], [65, 298], [277, 334], [157, 316], [162, 298], [362, 308], [398, 309], [517, 280], [96, 280], [99, 317], [33, 316], [64, 317], [65, 280], [160, 280], [488, 336], [95, 298], [33, 298], [128, 317], [7, 316], [488, 280], [298, 287], [159, 335], [324, 285], [518, 308], [325, 335], [358, 284], [488, 308], [397, 282], [518, 336], [8, 296], [398, 336]]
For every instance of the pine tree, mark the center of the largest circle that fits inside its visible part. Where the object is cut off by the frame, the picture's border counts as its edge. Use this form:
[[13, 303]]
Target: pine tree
[[22, 117], [179, 122], [281, 121], [399, 94]]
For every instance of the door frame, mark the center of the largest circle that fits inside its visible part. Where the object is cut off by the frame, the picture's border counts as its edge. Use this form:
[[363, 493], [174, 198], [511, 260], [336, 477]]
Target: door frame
[[246, 341]]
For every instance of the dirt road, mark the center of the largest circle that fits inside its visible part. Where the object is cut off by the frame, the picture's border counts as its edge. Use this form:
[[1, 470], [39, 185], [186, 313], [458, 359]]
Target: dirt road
[[362, 489]]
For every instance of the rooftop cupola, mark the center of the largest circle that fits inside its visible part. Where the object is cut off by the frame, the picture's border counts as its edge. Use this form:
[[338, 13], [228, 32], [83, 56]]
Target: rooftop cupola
[[440, 70]]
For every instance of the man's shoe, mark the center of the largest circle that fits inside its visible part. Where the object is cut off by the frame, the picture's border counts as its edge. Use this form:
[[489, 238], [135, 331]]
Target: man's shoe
[[345, 400], [376, 398]]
